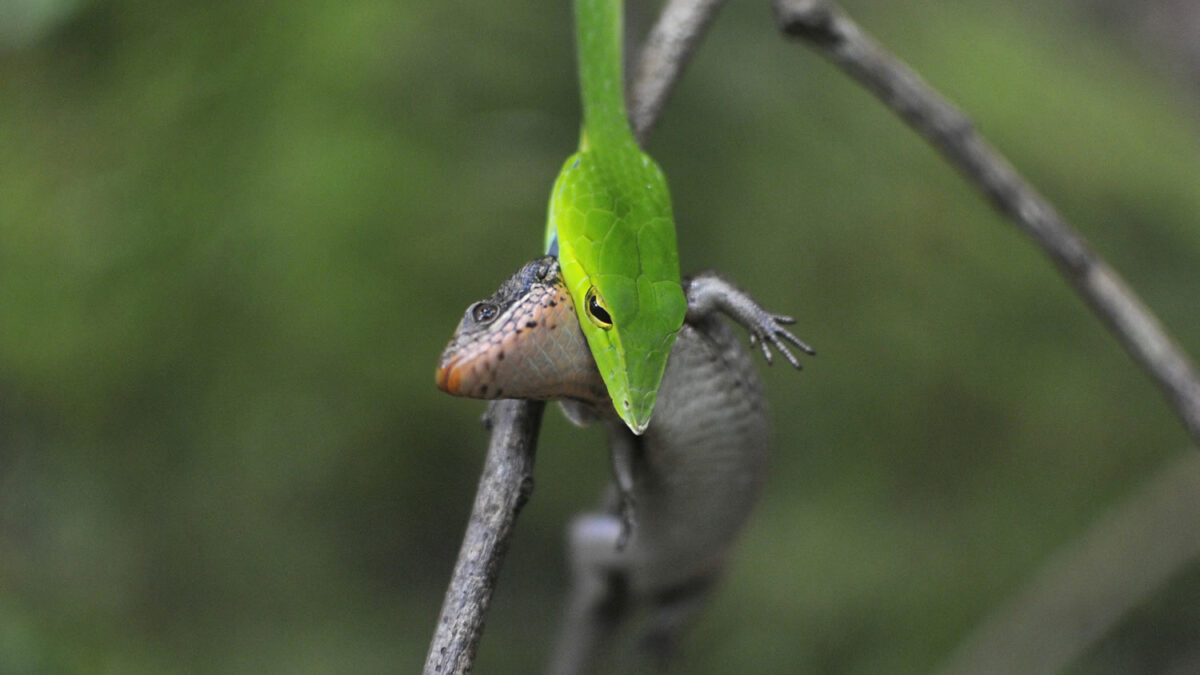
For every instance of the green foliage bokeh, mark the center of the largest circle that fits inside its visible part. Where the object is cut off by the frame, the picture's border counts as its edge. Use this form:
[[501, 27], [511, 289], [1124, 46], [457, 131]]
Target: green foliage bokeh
[[235, 236]]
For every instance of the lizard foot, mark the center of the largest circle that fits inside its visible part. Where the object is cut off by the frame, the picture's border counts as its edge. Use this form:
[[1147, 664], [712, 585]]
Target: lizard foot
[[770, 328], [708, 293]]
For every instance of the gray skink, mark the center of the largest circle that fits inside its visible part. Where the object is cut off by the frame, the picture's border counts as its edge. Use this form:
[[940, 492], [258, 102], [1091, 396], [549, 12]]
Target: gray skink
[[681, 492]]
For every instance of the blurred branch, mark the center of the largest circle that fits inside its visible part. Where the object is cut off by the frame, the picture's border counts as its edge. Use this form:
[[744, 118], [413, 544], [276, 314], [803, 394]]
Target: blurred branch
[[825, 28], [507, 479], [667, 50], [1089, 585]]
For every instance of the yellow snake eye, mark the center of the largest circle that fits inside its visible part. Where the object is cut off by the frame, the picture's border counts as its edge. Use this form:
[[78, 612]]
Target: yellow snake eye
[[597, 311]]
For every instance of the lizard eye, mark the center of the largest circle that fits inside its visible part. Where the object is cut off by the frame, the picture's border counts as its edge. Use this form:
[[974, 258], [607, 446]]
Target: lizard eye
[[597, 311], [483, 312]]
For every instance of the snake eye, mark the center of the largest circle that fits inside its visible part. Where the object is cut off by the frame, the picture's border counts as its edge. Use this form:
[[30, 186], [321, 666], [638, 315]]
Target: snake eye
[[596, 309], [483, 312]]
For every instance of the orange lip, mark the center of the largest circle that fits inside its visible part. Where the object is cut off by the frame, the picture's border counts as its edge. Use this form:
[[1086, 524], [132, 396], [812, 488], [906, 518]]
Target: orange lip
[[448, 376]]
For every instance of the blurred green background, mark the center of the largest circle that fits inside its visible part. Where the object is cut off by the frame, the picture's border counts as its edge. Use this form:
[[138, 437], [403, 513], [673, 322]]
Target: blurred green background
[[234, 238]]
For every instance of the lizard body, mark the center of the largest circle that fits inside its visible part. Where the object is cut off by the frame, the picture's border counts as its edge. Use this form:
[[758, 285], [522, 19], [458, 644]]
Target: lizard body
[[683, 489]]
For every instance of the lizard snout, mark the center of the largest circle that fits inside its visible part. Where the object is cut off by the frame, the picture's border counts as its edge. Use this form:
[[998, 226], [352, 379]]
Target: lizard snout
[[444, 380]]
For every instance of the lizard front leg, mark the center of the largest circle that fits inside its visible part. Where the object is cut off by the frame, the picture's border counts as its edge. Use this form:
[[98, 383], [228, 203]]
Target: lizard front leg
[[623, 451], [709, 292]]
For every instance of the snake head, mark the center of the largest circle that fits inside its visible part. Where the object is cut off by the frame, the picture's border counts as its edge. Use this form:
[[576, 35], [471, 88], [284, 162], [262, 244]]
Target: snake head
[[611, 225]]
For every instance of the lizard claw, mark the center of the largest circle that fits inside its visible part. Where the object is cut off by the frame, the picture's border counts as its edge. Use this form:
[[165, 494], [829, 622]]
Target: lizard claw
[[627, 518], [766, 352], [770, 328]]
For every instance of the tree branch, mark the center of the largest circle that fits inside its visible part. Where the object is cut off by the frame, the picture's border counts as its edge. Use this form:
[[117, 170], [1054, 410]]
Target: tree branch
[[825, 28], [667, 50], [504, 487], [507, 479]]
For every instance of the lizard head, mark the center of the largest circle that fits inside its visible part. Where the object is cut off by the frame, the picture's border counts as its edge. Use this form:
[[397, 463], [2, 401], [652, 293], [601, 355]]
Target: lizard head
[[522, 342]]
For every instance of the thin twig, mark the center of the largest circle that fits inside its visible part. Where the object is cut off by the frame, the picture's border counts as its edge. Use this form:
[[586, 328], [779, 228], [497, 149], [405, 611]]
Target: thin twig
[[1088, 586], [507, 478], [667, 51], [827, 29]]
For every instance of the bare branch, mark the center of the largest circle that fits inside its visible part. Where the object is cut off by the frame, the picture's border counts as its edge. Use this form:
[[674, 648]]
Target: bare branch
[[667, 50], [825, 28], [1088, 586], [507, 479], [504, 487]]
